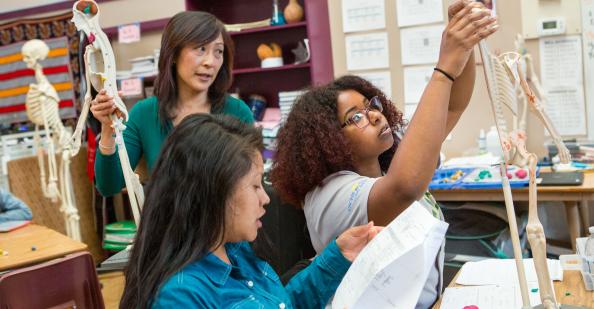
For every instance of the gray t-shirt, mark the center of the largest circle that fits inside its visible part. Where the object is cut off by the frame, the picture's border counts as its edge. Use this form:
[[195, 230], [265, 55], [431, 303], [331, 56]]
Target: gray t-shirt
[[340, 202]]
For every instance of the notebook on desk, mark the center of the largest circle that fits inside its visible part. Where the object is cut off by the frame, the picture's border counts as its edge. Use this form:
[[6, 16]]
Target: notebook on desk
[[12, 225], [562, 179]]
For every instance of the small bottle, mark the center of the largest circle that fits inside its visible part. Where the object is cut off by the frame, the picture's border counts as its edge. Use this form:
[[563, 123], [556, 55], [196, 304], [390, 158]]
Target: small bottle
[[482, 142], [492, 141], [590, 243], [277, 18], [589, 249]]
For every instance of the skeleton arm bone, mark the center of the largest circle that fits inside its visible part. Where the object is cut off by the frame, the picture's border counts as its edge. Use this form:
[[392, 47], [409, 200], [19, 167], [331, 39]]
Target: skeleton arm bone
[[564, 154]]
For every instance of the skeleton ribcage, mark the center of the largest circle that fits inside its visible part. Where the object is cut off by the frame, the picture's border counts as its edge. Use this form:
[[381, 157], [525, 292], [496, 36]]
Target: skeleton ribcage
[[504, 90], [35, 99]]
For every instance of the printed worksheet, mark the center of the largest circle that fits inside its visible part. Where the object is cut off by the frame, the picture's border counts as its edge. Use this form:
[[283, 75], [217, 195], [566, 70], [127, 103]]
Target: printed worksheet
[[393, 268], [362, 15], [367, 51], [418, 12], [420, 45]]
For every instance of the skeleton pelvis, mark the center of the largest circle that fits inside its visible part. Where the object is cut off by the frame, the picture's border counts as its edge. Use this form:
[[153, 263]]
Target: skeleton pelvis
[[97, 66]]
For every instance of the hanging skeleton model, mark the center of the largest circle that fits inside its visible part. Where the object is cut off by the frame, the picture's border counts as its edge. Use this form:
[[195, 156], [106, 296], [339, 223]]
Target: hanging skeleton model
[[100, 70], [42, 109], [507, 87]]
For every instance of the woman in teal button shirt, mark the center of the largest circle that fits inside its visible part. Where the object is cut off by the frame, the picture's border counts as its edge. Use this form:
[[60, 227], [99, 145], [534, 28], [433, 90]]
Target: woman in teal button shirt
[[195, 70], [204, 203]]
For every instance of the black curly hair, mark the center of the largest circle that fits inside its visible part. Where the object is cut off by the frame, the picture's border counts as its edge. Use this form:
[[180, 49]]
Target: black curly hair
[[311, 144]]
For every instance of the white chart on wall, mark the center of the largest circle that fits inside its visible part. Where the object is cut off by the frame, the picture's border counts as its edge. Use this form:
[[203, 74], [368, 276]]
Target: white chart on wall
[[420, 45], [363, 15], [588, 52], [367, 51], [418, 12], [562, 79], [380, 79]]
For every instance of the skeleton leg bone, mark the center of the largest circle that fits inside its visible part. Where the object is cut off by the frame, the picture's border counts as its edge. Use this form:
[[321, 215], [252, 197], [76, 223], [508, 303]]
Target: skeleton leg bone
[[71, 217], [537, 240], [52, 186]]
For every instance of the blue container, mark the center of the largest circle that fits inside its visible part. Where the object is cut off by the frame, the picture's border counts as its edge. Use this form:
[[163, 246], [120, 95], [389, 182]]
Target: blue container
[[257, 105], [442, 179]]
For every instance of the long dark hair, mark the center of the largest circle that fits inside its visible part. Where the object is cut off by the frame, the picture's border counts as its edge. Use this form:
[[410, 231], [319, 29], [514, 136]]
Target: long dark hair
[[188, 29], [311, 144], [184, 213]]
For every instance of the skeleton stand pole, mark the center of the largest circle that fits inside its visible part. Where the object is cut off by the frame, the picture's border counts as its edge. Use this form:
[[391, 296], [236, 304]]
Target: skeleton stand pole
[[509, 204], [513, 228]]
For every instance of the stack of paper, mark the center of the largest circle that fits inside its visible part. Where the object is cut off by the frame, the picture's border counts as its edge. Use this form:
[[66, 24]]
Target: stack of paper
[[270, 125], [493, 283], [286, 100], [503, 272], [143, 66]]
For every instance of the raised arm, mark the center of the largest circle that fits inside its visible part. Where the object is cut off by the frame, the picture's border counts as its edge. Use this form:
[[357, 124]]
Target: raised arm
[[464, 84], [440, 107]]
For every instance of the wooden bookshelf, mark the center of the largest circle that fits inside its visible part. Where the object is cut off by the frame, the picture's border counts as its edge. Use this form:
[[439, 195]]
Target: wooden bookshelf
[[265, 70], [249, 77], [269, 28]]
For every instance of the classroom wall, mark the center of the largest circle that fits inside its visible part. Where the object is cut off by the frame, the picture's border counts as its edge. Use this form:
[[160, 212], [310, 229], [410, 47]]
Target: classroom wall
[[478, 114], [119, 12], [137, 11]]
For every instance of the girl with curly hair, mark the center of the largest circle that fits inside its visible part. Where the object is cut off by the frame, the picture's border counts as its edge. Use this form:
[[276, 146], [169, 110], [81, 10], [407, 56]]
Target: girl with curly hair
[[340, 156]]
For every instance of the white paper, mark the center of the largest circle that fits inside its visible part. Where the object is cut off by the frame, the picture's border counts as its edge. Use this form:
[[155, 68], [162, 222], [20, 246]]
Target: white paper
[[367, 51], [362, 15], [561, 70], [588, 52], [420, 45], [415, 81], [487, 159], [503, 272], [409, 110], [487, 297], [129, 33], [417, 12], [397, 259], [381, 80]]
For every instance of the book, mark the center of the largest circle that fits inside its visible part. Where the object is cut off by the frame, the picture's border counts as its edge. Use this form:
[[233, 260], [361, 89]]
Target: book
[[13, 225]]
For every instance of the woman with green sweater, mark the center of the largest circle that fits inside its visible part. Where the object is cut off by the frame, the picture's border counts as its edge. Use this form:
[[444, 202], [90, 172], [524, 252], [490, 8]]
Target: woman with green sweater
[[195, 67]]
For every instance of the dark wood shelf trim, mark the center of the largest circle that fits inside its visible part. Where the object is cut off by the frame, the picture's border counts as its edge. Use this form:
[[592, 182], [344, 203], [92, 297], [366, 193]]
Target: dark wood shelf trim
[[262, 70], [145, 26], [44, 8], [269, 28]]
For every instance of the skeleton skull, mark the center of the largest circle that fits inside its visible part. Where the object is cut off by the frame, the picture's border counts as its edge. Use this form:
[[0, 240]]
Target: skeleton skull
[[34, 51]]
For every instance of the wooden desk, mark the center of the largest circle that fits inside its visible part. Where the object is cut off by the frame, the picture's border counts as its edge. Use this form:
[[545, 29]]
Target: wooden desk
[[49, 244], [570, 291], [112, 288], [575, 199]]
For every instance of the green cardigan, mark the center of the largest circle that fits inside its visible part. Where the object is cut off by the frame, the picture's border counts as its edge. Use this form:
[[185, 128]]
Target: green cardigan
[[144, 135]]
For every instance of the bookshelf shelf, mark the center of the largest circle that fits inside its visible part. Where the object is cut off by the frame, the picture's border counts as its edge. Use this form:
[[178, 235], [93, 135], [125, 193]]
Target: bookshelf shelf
[[264, 70], [248, 77], [268, 29]]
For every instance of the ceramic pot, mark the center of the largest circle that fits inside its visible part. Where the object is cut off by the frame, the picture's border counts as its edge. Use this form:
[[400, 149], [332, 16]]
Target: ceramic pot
[[293, 12]]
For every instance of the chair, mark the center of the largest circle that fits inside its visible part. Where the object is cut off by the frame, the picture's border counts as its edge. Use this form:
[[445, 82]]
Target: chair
[[23, 179], [69, 282]]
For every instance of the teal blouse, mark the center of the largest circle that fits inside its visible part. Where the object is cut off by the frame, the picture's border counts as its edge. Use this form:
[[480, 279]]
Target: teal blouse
[[144, 135], [249, 282]]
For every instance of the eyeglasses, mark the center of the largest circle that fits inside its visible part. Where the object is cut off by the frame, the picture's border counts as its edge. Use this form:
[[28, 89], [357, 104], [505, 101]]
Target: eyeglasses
[[361, 117]]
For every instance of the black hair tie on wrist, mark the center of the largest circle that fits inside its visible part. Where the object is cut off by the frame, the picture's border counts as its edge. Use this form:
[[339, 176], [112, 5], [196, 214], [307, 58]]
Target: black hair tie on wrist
[[444, 73]]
